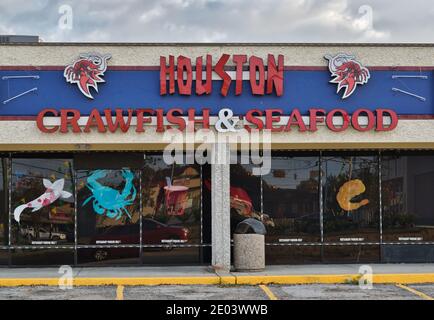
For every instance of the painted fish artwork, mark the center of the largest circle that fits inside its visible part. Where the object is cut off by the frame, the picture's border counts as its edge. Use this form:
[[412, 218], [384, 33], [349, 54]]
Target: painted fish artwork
[[109, 201], [53, 192]]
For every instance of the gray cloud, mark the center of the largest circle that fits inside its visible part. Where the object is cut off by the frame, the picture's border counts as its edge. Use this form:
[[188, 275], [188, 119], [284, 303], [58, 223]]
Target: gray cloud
[[223, 20]]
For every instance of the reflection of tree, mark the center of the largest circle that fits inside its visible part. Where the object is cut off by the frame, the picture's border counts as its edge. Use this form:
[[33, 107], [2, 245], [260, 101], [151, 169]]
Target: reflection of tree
[[394, 214], [294, 210]]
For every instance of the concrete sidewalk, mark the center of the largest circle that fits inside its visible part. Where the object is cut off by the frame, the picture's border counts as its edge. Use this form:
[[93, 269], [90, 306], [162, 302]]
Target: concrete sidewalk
[[301, 274]]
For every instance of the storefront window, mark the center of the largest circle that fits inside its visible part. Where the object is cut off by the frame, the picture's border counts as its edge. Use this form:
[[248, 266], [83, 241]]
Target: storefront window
[[4, 224], [172, 256], [108, 256], [292, 254], [42, 257], [407, 198], [42, 202], [108, 203], [245, 195], [291, 200], [351, 193], [351, 253], [171, 203]]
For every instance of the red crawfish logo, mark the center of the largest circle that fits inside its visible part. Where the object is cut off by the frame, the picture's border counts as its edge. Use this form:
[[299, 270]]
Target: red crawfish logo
[[347, 73], [87, 71]]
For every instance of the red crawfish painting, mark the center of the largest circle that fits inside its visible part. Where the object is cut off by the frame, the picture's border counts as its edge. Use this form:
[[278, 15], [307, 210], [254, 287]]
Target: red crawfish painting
[[347, 73], [87, 72]]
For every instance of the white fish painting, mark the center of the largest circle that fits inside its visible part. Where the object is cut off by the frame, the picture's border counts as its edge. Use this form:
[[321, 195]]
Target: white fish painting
[[54, 191]]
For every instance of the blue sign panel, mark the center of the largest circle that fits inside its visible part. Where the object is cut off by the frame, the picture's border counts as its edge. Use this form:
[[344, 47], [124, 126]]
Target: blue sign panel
[[140, 89]]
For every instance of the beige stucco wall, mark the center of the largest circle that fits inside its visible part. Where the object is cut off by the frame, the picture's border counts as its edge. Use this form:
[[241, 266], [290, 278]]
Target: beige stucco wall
[[24, 135], [148, 55]]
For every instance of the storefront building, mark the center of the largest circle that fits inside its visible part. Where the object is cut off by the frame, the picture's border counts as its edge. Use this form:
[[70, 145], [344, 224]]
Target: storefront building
[[85, 178]]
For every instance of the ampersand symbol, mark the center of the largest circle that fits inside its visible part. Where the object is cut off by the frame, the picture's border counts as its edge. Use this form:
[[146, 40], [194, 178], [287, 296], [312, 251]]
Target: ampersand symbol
[[225, 119]]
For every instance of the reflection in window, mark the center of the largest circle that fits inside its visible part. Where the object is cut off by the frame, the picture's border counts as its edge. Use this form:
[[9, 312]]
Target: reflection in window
[[4, 210], [171, 203], [174, 256], [291, 196], [42, 201], [111, 256], [108, 206], [42, 257], [292, 254], [407, 198], [351, 254], [351, 212], [245, 195]]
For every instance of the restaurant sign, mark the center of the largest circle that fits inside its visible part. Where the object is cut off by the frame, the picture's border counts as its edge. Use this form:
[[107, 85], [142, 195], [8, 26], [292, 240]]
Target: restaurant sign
[[262, 93]]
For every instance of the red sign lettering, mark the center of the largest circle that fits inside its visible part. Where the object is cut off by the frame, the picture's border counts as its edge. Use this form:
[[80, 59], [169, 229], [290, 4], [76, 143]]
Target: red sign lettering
[[260, 84]]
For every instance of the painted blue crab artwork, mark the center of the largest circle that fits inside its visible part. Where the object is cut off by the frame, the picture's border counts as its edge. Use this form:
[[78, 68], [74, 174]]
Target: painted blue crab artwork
[[109, 201]]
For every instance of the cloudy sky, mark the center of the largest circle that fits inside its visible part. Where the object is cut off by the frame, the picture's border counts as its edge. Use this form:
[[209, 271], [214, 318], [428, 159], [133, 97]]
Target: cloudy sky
[[220, 20]]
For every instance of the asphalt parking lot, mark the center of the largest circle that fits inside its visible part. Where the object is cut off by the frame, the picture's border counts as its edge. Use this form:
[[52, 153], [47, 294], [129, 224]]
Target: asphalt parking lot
[[214, 292]]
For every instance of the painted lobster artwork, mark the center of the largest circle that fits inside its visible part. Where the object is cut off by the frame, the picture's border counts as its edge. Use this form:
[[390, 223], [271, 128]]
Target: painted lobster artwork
[[347, 73], [53, 192], [87, 72], [109, 201]]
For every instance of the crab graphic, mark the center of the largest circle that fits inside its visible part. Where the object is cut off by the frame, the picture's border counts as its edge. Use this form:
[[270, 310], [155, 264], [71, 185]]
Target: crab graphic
[[107, 200]]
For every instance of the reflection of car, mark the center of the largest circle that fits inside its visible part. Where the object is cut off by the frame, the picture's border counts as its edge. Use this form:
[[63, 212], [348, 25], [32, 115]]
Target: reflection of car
[[42, 234], [154, 233]]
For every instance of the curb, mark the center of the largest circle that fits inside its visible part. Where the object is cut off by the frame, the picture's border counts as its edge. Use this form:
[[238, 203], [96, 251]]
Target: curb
[[154, 281], [414, 278], [226, 279]]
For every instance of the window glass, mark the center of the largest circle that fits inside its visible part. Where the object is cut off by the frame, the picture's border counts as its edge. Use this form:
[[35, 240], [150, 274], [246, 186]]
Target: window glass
[[351, 207], [4, 210], [245, 195], [4, 257], [285, 254], [108, 256], [351, 253], [206, 209], [172, 256], [407, 198], [291, 200], [108, 203], [407, 253], [171, 203], [42, 257], [42, 202]]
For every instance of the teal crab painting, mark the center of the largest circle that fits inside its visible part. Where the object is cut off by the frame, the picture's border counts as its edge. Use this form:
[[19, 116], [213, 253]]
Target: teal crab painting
[[109, 201]]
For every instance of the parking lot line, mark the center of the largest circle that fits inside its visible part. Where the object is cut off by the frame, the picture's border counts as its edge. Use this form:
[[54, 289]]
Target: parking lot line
[[268, 292], [120, 292], [418, 293]]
